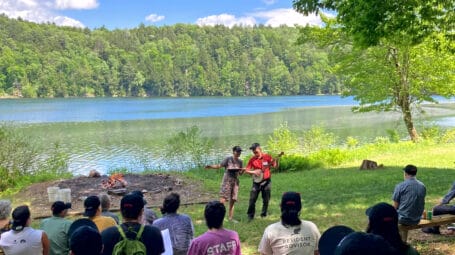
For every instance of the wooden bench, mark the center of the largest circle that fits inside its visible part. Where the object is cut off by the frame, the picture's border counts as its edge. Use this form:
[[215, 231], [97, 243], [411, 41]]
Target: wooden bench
[[436, 221]]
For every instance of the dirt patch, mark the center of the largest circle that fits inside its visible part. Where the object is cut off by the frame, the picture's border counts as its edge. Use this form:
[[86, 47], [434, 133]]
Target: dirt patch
[[156, 185], [430, 244]]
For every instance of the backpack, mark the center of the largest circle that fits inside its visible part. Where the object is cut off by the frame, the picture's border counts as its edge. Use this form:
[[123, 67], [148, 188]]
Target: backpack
[[130, 246]]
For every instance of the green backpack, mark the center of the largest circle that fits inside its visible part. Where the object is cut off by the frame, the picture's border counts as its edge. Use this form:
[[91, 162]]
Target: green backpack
[[130, 246]]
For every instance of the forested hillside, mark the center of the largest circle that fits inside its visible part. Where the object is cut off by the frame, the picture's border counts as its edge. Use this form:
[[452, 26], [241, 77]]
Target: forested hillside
[[44, 60]]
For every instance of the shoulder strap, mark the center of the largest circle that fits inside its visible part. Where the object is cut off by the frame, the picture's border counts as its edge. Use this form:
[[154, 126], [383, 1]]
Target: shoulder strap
[[120, 230], [139, 234]]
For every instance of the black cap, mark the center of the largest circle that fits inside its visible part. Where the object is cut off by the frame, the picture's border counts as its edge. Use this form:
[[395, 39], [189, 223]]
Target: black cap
[[139, 193], [86, 241], [254, 146], [291, 201], [131, 205], [91, 205], [331, 237], [410, 169], [382, 215], [20, 216], [237, 148], [359, 243], [59, 206]]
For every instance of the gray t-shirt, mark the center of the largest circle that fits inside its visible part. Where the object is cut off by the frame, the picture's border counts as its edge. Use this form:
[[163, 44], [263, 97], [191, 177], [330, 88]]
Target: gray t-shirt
[[181, 230], [410, 196]]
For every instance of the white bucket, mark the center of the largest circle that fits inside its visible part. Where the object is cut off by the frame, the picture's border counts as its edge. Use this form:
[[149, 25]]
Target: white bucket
[[52, 193], [64, 195]]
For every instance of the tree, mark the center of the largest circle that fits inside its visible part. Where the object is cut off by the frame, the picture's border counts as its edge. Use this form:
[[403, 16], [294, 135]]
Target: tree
[[402, 52]]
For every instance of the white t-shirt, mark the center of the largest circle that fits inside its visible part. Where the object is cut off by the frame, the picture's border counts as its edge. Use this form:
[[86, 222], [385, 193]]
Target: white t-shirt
[[298, 240], [25, 242]]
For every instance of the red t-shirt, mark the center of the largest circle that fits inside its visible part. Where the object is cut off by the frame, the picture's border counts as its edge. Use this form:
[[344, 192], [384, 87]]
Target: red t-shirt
[[264, 163]]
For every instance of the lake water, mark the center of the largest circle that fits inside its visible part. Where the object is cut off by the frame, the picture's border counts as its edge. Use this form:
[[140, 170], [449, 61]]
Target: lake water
[[110, 133]]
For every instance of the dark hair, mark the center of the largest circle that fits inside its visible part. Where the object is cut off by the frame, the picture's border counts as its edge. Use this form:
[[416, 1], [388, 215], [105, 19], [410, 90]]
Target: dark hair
[[21, 214], [214, 214], [171, 203], [410, 170], [358, 243], [254, 146], [86, 241], [383, 221]]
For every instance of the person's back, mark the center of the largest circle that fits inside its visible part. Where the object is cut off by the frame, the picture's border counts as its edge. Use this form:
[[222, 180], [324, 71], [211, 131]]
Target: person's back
[[217, 240], [92, 205], [180, 226], [291, 235], [105, 201], [409, 197], [132, 207], [22, 239], [56, 228]]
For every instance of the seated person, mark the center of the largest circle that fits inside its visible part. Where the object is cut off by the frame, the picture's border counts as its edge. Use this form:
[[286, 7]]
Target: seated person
[[443, 208], [180, 227], [290, 235]]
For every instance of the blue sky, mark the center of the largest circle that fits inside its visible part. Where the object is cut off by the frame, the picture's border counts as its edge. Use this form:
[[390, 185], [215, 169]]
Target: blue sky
[[128, 14]]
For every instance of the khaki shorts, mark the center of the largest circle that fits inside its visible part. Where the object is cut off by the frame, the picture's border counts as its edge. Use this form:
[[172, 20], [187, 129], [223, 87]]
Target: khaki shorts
[[229, 187]]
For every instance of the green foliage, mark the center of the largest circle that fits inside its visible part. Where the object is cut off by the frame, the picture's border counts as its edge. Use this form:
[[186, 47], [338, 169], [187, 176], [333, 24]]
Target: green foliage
[[432, 133], [351, 142], [295, 163], [405, 55], [282, 140], [316, 139], [394, 136], [330, 157], [188, 148], [448, 136], [21, 163], [44, 60]]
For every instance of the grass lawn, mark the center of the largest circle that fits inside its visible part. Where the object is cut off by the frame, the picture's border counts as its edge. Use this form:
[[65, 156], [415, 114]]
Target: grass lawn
[[341, 195]]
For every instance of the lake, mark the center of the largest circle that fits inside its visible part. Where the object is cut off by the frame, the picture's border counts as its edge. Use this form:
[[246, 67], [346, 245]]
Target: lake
[[110, 133]]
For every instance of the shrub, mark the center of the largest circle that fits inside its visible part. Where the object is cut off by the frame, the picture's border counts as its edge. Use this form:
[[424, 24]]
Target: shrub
[[188, 148], [394, 137], [291, 163], [317, 139], [330, 157], [431, 133], [448, 136], [21, 162], [282, 140], [351, 142]]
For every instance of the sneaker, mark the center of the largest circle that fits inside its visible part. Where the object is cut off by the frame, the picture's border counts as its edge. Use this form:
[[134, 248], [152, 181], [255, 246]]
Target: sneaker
[[431, 230], [263, 215]]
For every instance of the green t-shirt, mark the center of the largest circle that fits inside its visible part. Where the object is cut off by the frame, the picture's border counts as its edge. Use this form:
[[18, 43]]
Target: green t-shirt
[[56, 229]]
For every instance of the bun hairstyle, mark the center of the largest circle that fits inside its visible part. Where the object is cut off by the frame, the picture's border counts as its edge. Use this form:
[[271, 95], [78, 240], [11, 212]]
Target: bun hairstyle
[[21, 215]]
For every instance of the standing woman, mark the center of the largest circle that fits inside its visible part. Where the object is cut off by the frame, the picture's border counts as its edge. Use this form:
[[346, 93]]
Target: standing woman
[[23, 239]]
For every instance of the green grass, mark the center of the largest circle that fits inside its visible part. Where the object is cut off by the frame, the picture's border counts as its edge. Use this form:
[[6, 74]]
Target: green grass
[[340, 195]]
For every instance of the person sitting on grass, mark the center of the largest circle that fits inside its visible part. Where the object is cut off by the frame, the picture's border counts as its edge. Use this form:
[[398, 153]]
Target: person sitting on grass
[[291, 235], [57, 227], [106, 205], [383, 221], [92, 206], [23, 239], [180, 227], [86, 241], [217, 240]]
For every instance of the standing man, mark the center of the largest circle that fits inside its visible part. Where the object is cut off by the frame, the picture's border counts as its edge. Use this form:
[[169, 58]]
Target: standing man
[[259, 167], [291, 235], [217, 240], [409, 197], [132, 208], [230, 185], [56, 228]]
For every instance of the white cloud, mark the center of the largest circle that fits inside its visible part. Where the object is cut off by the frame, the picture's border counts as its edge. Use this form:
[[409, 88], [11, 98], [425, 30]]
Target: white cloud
[[154, 18], [76, 4], [227, 20], [288, 17], [35, 11]]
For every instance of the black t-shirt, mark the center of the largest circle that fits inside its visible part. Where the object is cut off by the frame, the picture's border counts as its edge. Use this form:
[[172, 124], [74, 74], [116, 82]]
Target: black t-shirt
[[151, 238]]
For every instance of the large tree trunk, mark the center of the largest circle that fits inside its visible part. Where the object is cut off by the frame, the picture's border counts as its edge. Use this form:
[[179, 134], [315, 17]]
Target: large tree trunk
[[407, 117]]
